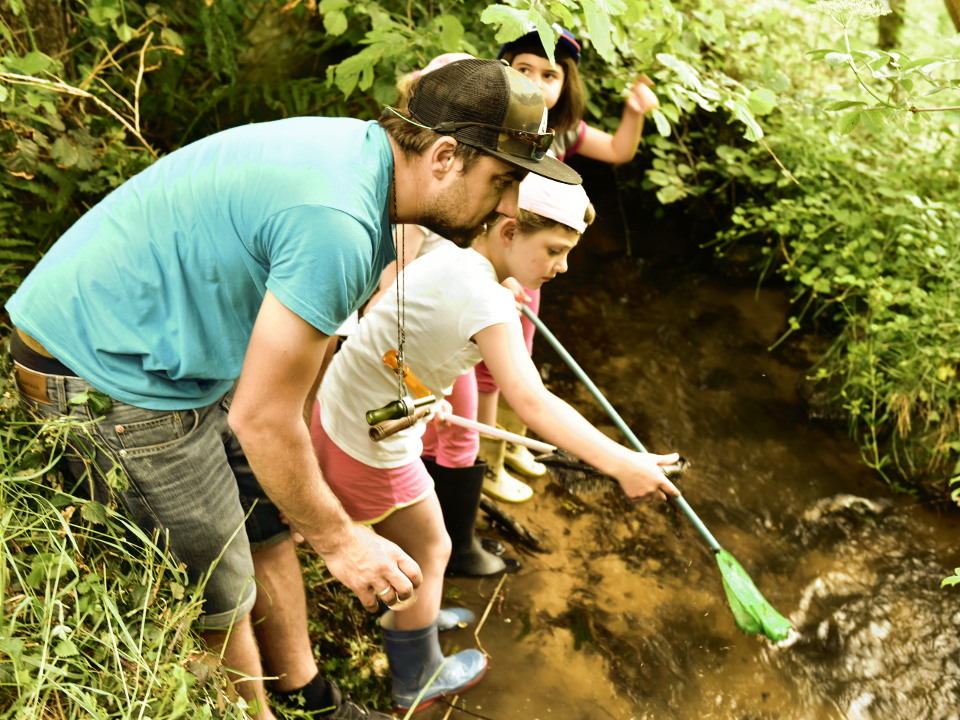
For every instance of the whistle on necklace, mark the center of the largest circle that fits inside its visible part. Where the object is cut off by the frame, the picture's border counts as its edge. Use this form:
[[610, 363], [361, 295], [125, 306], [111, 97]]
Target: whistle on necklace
[[404, 407]]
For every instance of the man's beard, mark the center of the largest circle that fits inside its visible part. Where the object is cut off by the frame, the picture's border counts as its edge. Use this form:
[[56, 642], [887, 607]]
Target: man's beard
[[461, 235], [440, 218]]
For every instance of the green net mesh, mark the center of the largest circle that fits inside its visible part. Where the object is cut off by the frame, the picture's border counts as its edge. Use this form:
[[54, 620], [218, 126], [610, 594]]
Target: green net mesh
[[751, 610]]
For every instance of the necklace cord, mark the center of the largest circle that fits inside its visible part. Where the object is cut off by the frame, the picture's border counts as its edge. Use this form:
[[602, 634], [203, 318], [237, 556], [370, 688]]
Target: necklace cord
[[401, 288]]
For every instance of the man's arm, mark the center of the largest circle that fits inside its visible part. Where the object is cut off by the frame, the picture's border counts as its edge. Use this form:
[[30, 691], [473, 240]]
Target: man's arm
[[282, 362]]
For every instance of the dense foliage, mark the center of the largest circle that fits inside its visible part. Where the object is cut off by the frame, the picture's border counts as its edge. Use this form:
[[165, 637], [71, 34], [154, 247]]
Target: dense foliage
[[829, 160], [851, 197]]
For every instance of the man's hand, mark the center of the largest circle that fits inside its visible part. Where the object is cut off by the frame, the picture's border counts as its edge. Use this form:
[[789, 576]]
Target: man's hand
[[373, 567], [283, 359]]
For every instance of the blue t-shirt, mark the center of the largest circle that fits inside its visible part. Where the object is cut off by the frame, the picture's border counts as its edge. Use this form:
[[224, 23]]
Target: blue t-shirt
[[151, 296]]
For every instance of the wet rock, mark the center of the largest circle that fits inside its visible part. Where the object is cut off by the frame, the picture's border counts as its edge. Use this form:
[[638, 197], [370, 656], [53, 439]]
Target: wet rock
[[851, 506]]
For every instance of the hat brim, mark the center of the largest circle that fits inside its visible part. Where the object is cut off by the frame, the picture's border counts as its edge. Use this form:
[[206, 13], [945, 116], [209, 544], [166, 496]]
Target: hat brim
[[549, 167]]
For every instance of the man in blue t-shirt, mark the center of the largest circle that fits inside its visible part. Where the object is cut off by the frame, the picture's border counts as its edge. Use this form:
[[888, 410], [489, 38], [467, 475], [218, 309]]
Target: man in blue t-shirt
[[200, 297]]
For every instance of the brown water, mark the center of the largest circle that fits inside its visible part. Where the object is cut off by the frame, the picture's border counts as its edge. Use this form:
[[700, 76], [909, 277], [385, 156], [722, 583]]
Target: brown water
[[626, 618]]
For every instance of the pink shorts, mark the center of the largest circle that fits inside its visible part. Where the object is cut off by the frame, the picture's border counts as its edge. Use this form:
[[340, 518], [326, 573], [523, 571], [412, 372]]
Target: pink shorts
[[453, 446], [368, 494]]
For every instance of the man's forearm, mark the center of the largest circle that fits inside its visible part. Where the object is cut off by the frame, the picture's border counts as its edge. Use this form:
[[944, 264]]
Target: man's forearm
[[285, 466]]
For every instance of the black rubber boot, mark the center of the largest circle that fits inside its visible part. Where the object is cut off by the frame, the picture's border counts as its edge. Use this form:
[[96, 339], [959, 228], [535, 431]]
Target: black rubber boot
[[458, 490]]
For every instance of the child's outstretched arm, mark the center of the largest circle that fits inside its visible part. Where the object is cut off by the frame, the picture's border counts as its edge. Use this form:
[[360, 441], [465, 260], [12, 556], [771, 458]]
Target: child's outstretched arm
[[622, 145], [505, 354]]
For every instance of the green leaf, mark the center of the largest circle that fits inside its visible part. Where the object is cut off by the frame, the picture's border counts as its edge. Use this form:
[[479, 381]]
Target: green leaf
[[335, 22], [103, 12], [921, 63], [125, 32], [762, 101], [742, 113], [598, 25], [512, 22], [686, 74], [13, 647], [670, 194], [347, 73], [30, 64], [844, 105], [64, 152], [659, 178], [66, 648], [660, 120], [849, 121], [874, 119], [451, 32], [835, 58], [94, 512], [670, 111], [96, 401], [173, 38]]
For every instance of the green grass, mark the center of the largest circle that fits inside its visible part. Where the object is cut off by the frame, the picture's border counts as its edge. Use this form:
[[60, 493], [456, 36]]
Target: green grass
[[99, 623]]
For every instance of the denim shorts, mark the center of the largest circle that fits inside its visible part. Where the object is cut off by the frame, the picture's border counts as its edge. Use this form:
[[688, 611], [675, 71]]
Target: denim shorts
[[186, 473]]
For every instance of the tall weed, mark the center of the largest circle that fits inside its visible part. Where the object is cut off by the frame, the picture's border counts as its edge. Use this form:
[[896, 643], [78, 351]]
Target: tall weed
[[97, 620]]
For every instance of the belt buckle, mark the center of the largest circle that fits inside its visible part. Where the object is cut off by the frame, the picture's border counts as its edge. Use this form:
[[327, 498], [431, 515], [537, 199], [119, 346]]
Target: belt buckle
[[31, 383]]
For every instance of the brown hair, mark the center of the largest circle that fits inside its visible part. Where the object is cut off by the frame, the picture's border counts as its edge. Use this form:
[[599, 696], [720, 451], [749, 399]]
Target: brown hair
[[405, 85], [530, 222], [568, 112], [413, 140]]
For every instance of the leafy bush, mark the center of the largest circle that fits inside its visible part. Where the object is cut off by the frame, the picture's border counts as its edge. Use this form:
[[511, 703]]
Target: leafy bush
[[850, 197]]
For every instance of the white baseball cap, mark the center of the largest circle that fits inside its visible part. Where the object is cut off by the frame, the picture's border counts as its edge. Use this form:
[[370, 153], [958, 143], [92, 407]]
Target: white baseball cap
[[566, 204]]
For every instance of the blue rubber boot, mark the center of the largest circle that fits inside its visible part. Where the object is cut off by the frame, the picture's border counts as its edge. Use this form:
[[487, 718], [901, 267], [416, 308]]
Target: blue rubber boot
[[414, 657]]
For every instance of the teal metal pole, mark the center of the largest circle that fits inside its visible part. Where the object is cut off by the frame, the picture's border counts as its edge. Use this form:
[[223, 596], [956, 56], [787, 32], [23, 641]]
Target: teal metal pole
[[615, 416]]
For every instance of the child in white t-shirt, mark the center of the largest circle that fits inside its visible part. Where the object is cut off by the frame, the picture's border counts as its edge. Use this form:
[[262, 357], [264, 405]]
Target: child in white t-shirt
[[455, 312]]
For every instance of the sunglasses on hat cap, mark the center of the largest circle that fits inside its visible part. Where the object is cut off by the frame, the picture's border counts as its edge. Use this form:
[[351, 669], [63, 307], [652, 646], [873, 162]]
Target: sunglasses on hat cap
[[519, 143]]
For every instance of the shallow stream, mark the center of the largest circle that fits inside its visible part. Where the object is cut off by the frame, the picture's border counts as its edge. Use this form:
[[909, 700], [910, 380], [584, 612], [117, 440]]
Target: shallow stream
[[626, 618]]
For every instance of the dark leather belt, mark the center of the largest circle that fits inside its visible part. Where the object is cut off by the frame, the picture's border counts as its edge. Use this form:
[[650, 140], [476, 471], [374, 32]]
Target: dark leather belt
[[31, 384], [33, 344]]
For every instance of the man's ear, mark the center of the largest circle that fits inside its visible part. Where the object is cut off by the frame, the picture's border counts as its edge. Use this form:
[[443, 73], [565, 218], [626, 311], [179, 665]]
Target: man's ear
[[440, 156]]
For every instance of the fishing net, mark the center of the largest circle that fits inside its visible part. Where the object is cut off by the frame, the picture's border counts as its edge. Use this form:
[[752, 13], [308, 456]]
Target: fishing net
[[574, 475], [751, 610]]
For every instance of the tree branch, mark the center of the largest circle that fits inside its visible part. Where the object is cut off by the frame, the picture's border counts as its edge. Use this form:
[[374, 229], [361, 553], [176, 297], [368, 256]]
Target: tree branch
[[61, 87]]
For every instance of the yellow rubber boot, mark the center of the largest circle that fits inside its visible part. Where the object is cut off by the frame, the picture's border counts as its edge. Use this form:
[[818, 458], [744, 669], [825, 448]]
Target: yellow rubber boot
[[517, 457], [497, 482]]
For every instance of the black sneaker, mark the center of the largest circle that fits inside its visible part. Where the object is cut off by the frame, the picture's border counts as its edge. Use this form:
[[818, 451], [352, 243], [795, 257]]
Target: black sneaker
[[349, 710], [344, 708]]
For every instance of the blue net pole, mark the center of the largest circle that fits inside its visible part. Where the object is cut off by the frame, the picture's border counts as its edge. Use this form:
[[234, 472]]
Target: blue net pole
[[615, 416]]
